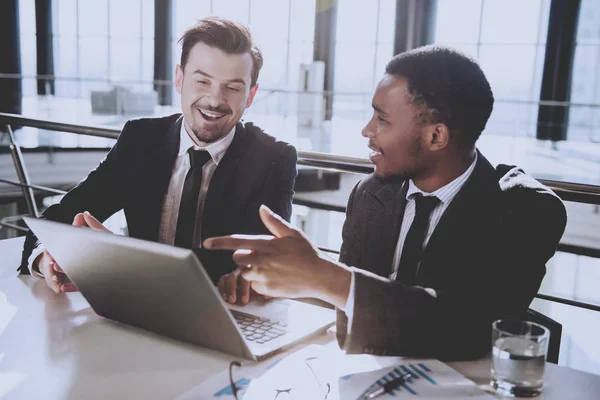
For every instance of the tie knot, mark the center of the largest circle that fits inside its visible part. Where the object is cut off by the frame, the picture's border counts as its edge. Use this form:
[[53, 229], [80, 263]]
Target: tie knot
[[198, 157], [425, 204]]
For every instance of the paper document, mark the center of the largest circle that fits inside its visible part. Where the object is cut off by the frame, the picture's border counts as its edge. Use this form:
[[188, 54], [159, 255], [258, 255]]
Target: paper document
[[431, 379], [219, 387], [318, 372]]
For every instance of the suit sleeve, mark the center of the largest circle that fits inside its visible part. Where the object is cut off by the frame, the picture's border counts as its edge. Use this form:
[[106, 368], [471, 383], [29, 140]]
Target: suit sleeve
[[277, 191], [99, 193], [391, 318], [347, 257]]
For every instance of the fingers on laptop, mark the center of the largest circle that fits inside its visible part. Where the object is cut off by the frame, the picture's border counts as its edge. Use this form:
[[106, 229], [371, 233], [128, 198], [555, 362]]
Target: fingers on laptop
[[52, 281], [225, 288], [234, 288], [231, 287], [244, 290], [88, 220], [93, 223], [68, 287], [47, 267]]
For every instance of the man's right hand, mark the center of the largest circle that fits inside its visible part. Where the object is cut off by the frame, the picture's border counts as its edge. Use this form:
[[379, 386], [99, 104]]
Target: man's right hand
[[53, 274]]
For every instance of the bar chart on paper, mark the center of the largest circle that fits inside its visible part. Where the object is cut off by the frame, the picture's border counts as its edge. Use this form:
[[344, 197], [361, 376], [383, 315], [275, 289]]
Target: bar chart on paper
[[430, 379]]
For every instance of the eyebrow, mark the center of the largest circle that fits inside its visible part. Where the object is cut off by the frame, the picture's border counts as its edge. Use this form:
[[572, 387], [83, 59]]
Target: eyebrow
[[379, 110], [235, 80]]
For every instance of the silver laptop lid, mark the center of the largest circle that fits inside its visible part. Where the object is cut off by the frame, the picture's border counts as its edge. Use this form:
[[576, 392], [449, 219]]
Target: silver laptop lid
[[157, 287]]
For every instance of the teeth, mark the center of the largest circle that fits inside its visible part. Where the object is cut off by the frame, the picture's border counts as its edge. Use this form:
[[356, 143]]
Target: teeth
[[374, 153], [210, 114]]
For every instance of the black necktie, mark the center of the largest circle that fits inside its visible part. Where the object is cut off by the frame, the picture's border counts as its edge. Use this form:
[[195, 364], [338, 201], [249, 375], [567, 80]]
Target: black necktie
[[413, 244], [189, 198]]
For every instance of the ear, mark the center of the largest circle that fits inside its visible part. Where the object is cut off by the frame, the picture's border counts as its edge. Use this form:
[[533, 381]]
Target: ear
[[251, 95], [438, 137], [178, 78]]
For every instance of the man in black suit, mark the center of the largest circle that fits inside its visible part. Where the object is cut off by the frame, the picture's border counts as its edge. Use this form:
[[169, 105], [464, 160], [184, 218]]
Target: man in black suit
[[184, 178], [437, 244]]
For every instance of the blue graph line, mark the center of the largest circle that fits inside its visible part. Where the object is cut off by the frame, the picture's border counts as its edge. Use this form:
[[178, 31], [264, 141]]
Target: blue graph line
[[408, 371], [423, 374], [424, 367], [226, 391]]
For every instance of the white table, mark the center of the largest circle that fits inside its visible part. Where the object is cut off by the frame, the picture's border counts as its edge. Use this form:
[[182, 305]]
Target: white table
[[55, 347]]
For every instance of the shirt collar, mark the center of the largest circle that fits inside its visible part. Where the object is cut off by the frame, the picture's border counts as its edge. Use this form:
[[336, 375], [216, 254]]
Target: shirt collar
[[447, 192], [216, 150]]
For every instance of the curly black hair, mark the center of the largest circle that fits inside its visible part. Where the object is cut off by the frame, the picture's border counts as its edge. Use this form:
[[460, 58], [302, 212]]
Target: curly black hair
[[448, 87]]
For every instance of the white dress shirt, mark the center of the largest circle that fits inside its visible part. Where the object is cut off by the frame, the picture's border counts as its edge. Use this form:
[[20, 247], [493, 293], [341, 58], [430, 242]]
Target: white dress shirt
[[170, 209], [445, 194]]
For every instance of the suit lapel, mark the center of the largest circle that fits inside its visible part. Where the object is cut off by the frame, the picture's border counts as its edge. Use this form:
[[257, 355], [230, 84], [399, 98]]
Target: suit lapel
[[222, 176], [165, 159], [470, 204], [386, 210]]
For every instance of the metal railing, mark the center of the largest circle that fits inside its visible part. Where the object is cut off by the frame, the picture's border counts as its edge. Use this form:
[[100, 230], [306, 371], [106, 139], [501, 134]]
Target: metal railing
[[575, 192]]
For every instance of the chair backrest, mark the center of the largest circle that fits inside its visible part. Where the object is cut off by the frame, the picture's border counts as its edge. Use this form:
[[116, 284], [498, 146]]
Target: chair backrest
[[555, 329]]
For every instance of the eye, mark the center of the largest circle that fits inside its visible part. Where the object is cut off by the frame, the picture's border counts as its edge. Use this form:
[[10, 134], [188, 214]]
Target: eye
[[202, 82], [380, 119], [233, 89]]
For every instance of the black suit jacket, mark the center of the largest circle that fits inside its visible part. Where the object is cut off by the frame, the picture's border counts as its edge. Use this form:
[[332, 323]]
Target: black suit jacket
[[485, 260], [135, 175]]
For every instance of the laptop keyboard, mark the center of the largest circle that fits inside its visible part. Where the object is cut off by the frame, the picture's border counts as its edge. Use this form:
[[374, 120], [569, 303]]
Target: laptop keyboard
[[259, 329]]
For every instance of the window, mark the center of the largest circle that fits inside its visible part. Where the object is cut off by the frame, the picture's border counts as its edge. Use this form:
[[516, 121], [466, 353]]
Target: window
[[508, 39], [364, 44], [584, 117], [101, 43], [28, 47]]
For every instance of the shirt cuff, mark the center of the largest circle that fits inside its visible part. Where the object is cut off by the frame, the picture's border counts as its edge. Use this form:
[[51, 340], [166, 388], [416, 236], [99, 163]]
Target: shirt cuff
[[34, 254]]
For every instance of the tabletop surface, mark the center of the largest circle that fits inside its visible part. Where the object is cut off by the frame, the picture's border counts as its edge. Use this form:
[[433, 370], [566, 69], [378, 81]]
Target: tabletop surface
[[56, 347]]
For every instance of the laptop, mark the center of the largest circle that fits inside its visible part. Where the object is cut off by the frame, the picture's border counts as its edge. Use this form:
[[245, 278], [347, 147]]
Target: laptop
[[165, 290]]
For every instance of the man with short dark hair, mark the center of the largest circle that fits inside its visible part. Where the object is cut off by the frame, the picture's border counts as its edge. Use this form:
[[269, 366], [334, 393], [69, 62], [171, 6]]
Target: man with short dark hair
[[184, 178], [437, 243]]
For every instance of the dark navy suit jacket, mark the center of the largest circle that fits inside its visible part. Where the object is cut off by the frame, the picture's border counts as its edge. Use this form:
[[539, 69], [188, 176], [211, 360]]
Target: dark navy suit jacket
[[134, 177]]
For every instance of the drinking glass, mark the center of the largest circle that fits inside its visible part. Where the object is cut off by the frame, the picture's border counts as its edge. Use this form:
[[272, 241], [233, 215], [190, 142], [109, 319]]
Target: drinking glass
[[518, 357]]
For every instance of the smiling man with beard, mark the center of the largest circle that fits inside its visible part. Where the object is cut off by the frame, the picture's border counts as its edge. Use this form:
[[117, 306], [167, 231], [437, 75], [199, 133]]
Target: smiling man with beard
[[437, 243], [187, 177]]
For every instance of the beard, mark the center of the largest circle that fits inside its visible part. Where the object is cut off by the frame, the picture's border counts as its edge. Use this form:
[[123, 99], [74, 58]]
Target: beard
[[209, 135], [413, 168]]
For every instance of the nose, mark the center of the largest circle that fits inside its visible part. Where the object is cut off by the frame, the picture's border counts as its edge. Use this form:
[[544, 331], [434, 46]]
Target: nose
[[367, 131], [215, 97]]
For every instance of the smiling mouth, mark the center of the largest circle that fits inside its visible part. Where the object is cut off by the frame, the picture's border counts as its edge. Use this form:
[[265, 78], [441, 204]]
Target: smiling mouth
[[374, 152], [211, 115]]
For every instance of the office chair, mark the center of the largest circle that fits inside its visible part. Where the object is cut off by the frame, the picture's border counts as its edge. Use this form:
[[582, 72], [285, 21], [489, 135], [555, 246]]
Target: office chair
[[555, 329]]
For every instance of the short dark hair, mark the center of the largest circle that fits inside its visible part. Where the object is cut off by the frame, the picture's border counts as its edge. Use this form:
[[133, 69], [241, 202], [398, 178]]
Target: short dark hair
[[448, 86], [228, 36]]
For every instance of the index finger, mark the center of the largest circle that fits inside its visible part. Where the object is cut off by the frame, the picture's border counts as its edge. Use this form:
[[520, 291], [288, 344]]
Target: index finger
[[236, 242], [244, 288]]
